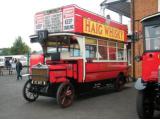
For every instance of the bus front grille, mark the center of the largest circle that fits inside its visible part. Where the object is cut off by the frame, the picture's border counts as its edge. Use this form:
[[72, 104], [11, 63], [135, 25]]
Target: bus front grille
[[39, 74]]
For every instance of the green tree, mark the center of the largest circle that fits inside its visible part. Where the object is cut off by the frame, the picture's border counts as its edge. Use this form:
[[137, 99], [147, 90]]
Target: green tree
[[5, 51], [20, 47]]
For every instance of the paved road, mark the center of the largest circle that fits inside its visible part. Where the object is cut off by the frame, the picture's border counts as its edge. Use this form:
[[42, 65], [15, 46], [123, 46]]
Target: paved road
[[99, 104]]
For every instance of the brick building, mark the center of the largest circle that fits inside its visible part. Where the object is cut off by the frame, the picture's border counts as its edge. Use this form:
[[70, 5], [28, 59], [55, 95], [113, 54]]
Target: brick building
[[141, 8], [136, 10]]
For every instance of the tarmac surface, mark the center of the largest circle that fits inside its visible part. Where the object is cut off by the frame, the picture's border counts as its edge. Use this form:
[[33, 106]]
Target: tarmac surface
[[100, 104]]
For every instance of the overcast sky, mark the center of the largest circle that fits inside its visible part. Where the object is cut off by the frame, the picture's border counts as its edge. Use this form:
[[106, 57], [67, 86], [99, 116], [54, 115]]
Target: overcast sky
[[17, 17]]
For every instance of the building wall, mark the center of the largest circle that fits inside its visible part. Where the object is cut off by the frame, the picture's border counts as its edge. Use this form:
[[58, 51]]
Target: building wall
[[142, 8], [158, 5]]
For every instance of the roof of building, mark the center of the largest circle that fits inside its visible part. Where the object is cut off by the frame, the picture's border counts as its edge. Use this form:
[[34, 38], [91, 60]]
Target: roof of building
[[122, 7]]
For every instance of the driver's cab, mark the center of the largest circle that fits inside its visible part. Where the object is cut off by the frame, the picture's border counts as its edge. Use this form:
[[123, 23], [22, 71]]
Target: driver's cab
[[60, 46], [151, 35], [63, 47]]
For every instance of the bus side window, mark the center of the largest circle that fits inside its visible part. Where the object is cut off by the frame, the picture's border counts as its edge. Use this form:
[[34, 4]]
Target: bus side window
[[75, 50], [103, 50], [90, 51], [91, 47], [112, 50], [120, 54], [87, 51], [120, 51]]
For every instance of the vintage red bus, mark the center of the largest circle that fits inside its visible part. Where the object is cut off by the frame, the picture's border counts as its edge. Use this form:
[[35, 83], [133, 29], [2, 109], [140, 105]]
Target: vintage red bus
[[148, 98], [81, 50]]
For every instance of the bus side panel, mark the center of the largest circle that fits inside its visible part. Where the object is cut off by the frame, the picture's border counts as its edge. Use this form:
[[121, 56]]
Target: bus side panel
[[80, 71], [75, 70], [150, 63], [104, 70], [72, 71], [78, 24]]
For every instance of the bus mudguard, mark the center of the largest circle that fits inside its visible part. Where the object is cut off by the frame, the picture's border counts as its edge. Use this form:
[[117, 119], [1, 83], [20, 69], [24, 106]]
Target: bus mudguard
[[139, 85]]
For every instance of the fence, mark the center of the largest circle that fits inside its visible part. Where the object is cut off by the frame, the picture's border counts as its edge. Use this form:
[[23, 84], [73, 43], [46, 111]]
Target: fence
[[11, 71]]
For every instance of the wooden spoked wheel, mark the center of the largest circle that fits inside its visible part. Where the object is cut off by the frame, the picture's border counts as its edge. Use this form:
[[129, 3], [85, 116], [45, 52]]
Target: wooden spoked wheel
[[27, 92], [65, 94]]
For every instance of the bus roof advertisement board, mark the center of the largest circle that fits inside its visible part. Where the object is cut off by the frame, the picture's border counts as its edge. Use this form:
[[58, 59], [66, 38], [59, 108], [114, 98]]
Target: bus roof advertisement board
[[102, 30], [74, 19], [68, 19], [50, 20]]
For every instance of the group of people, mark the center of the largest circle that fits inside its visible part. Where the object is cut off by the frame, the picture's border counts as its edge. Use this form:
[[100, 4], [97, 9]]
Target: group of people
[[14, 63]]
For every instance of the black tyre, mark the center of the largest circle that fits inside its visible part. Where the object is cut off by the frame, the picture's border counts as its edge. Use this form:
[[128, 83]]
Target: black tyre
[[65, 94], [145, 105], [119, 83], [27, 94]]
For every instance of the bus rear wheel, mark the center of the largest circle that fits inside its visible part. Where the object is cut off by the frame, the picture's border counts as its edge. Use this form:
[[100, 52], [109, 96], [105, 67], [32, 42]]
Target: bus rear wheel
[[65, 94], [145, 105], [119, 82]]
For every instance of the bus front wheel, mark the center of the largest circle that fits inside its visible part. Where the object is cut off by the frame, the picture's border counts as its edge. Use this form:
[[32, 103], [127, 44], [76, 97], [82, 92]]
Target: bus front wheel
[[28, 93]]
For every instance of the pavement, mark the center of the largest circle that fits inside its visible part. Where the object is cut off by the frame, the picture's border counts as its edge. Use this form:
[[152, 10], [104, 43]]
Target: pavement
[[100, 104]]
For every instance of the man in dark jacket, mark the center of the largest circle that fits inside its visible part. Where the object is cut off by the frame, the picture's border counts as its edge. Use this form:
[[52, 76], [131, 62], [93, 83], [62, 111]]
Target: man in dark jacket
[[18, 69]]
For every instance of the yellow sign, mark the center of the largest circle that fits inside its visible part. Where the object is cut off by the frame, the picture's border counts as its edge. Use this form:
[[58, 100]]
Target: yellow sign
[[91, 41], [102, 30]]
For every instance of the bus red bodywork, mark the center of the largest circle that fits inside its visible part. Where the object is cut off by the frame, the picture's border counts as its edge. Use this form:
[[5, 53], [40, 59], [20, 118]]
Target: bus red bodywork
[[150, 64], [148, 98], [92, 33]]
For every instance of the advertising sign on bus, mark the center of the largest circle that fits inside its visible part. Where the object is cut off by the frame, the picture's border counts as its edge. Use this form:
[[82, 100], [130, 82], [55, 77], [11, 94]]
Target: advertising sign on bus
[[68, 19], [102, 30], [74, 19]]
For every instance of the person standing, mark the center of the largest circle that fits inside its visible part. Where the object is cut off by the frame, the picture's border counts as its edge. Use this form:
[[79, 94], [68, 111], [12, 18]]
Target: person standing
[[7, 63], [19, 69]]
